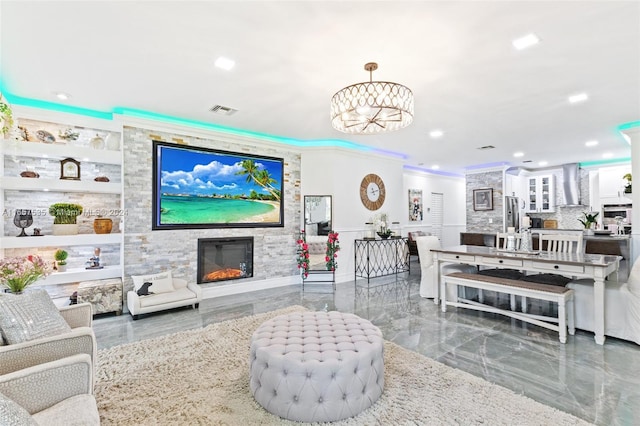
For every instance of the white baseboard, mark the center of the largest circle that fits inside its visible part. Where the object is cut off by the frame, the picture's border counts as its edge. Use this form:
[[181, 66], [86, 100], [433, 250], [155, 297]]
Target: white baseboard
[[248, 286]]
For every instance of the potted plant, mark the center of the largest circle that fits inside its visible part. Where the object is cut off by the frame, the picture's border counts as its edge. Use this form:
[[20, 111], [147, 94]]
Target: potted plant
[[627, 186], [61, 259], [65, 216], [589, 220], [17, 273], [6, 116]]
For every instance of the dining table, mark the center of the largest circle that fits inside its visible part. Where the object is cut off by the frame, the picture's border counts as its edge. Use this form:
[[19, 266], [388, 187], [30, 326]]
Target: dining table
[[576, 265]]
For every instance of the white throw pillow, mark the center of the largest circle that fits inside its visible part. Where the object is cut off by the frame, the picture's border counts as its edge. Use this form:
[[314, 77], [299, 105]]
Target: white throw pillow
[[30, 316], [160, 283]]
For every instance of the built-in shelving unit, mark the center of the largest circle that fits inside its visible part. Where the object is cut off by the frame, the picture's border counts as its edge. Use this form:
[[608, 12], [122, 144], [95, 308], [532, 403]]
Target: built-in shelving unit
[[60, 240], [45, 156], [24, 184], [81, 274]]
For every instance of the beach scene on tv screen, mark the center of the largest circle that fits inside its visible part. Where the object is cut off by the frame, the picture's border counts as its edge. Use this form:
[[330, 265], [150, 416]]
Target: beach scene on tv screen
[[201, 187]]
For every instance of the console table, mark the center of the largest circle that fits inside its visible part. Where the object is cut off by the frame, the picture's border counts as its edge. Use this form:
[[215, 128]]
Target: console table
[[378, 258]]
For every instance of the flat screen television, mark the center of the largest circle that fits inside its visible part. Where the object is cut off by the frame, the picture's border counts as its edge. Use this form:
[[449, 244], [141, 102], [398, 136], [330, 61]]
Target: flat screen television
[[196, 187]]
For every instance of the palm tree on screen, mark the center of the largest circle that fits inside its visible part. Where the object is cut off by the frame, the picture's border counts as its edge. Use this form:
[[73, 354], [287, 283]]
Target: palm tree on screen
[[259, 176]]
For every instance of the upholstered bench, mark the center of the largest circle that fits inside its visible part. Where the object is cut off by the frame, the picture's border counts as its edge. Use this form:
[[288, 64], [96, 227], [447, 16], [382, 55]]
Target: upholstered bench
[[560, 295], [316, 366]]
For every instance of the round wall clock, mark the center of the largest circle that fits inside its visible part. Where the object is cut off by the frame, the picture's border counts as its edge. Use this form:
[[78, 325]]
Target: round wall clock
[[372, 191]]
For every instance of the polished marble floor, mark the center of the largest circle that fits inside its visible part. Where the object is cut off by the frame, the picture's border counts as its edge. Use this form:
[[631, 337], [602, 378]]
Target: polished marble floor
[[600, 384]]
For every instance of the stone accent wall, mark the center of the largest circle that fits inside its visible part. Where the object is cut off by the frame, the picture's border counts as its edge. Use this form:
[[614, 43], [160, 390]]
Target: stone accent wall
[[485, 220], [147, 251]]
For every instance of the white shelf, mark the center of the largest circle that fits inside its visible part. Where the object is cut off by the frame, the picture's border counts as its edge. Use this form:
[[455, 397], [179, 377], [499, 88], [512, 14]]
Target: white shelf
[[58, 151], [60, 185], [81, 274], [60, 240]]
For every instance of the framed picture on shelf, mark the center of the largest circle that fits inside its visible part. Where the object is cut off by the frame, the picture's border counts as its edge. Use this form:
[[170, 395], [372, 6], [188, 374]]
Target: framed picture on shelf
[[69, 169], [483, 199]]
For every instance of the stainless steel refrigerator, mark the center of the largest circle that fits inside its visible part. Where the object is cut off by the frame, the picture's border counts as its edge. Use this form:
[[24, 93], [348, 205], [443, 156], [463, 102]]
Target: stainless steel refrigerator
[[512, 210]]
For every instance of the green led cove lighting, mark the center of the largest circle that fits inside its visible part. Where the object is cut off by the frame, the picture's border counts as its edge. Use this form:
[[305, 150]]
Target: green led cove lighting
[[129, 112], [627, 126], [52, 106], [605, 162]]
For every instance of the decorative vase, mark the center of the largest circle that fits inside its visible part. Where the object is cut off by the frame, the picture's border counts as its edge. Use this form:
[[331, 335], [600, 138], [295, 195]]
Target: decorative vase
[[65, 229], [97, 142], [102, 225], [62, 268]]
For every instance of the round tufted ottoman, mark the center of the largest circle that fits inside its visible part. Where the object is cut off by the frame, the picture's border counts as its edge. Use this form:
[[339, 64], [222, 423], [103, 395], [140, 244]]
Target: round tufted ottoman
[[316, 366]]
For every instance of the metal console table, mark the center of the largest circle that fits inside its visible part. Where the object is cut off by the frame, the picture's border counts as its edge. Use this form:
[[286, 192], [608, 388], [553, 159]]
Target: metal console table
[[378, 258]]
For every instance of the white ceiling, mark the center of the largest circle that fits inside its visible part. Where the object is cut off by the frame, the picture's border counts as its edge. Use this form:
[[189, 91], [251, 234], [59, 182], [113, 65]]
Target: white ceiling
[[292, 56]]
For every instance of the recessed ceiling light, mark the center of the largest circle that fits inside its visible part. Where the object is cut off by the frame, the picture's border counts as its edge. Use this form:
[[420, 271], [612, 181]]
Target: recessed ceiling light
[[224, 63], [435, 167], [607, 155], [62, 96], [578, 97], [518, 154], [526, 41], [591, 143], [436, 133], [543, 163]]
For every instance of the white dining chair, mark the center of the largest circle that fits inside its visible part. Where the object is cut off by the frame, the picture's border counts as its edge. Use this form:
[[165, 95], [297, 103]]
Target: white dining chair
[[621, 306], [554, 242], [501, 240], [428, 285], [562, 243]]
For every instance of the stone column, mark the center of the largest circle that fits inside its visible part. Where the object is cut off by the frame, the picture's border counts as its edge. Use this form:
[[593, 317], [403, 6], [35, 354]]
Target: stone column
[[634, 134]]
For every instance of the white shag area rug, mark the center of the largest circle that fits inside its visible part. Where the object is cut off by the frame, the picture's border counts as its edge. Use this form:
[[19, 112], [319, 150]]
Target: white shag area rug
[[201, 377]]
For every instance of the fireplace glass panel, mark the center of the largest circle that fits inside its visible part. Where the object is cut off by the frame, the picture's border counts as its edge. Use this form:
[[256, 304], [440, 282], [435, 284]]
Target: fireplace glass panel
[[221, 259]]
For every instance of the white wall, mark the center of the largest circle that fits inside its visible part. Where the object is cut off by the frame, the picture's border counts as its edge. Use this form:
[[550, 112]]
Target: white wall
[[338, 172], [454, 212]]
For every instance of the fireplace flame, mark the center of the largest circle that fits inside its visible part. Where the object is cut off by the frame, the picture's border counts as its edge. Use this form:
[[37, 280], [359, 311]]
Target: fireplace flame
[[223, 274]]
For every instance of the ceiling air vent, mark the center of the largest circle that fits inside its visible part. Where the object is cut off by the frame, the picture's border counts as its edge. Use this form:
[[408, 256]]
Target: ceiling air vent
[[223, 110], [486, 147]]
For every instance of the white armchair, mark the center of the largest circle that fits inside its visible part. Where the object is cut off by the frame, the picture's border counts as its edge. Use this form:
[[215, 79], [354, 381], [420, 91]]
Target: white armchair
[[80, 340], [621, 309], [428, 286], [57, 393]]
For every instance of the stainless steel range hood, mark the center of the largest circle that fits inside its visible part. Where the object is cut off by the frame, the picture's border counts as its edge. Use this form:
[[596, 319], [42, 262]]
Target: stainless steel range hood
[[571, 184]]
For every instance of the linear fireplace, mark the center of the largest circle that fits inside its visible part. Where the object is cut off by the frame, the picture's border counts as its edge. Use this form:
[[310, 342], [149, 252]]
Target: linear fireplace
[[221, 259]]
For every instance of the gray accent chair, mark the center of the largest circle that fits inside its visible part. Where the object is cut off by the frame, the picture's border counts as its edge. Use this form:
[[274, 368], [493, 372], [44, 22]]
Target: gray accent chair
[[80, 340], [57, 393]]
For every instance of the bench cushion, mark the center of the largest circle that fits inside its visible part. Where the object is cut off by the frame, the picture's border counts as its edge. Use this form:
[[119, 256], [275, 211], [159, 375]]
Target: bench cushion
[[513, 274], [551, 279], [162, 298], [511, 283]]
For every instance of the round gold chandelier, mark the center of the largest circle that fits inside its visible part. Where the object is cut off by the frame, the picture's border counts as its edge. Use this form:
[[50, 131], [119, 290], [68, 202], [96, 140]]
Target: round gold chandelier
[[372, 107]]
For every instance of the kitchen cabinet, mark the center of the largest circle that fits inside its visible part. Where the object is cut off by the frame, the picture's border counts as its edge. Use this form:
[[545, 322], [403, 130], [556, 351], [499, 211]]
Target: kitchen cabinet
[[540, 194], [611, 185], [41, 155]]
